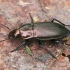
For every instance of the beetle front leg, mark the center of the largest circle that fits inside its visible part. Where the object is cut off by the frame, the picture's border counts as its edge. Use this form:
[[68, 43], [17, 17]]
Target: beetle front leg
[[57, 21], [19, 46], [41, 45]]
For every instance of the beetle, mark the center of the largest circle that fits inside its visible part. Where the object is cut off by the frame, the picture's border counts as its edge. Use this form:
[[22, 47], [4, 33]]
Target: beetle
[[40, 31]]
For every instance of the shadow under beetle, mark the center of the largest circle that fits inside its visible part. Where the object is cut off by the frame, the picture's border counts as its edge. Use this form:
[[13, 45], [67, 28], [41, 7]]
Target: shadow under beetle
[[40, 31]]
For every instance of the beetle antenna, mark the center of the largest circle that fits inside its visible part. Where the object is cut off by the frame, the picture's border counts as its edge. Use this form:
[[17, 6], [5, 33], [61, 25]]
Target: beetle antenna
[[4, 40], [5, 26], [7, 34]]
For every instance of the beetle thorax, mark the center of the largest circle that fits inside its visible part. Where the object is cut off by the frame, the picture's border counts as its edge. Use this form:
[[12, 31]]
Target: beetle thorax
[[26, 34]]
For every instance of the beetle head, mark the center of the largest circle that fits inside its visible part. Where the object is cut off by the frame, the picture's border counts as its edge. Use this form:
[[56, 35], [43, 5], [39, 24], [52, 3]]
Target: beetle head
[[12, 35], [25, 31]]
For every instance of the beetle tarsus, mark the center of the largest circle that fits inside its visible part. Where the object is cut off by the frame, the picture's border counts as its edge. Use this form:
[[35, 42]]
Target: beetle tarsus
[[41, 45], [5, 26], [57, 21]]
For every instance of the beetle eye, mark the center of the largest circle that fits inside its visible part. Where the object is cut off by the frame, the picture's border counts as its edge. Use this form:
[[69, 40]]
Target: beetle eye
[[11, 36]]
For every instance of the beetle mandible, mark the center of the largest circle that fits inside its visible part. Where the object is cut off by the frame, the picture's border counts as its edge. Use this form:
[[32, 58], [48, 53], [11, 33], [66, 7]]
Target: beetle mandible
[[40, 31]]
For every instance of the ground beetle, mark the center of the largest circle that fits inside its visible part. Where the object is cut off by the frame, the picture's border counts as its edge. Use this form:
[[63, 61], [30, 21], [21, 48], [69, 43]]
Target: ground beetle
[[40, 31]]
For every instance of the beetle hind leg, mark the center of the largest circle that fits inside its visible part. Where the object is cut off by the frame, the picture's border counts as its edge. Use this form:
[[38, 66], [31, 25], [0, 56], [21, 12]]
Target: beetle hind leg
[[57, 21], [41, 45]]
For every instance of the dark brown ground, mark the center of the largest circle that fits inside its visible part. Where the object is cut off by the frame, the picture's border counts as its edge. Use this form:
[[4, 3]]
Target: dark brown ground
[[15, 12]]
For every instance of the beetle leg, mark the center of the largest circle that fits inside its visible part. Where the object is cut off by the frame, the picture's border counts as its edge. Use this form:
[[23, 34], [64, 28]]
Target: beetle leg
[[19, 46], [41, 45], [32, 21], [57, 21]]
